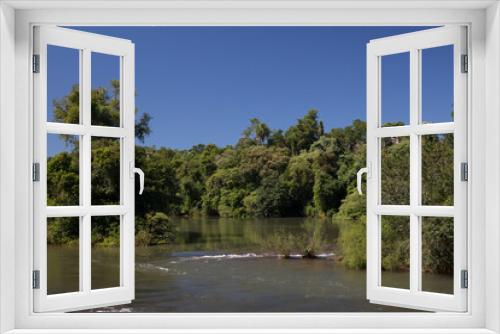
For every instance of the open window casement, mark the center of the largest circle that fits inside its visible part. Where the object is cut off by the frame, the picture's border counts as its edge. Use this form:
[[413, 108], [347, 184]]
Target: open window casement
[[84, 212], [405, 213]]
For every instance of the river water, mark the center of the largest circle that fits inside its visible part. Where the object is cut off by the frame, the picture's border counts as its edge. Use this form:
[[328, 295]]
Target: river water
[[229, 265]]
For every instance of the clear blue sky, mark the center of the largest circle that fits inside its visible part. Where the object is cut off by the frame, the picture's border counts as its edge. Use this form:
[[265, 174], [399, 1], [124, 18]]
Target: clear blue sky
[[203, 84]]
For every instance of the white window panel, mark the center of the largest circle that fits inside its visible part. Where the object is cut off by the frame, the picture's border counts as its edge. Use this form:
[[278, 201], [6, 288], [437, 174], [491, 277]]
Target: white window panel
[[84, 44], [413, 44]]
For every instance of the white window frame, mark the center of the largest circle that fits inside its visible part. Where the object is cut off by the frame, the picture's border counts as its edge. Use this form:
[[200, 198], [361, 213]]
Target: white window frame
[[16, 20]]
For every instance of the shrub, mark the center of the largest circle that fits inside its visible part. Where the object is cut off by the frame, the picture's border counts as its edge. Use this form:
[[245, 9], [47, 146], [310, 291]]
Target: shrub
[[156, 229]]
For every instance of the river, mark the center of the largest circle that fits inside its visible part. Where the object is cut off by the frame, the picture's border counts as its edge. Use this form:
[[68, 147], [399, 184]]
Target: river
[[230, 265]]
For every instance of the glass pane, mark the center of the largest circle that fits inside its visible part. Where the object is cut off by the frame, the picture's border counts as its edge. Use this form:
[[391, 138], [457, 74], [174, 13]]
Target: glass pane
[[395, 251], [105, 252], [63, 255], [437, 169], [437, 254], [437, 84], [105, 90], [395, 89], [395, 171], [105, 171], [63, 81], [63, 165]]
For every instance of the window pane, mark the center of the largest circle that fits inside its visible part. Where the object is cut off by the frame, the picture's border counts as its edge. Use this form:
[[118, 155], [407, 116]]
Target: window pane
[[437, 254], [395, 171], [437, 84], [63, 255], [105, 171], [105, 252], [395, 89], [105, 90], [63, 165], [63, 78], [395, 251], [437, 169]]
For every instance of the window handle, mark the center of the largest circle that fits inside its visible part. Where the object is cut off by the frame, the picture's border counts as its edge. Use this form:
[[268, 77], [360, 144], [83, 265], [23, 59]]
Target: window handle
[[360, 175], [135, 170], [141, 179]]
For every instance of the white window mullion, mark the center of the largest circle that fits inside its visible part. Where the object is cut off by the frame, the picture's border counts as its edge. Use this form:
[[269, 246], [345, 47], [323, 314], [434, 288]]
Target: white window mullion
[[85, 163], [415, 263], [85, 254], [86, 172], [81, 228]]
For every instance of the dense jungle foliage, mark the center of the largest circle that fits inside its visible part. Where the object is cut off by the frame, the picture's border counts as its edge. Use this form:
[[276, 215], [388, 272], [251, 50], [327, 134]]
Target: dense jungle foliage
[[301, 171]]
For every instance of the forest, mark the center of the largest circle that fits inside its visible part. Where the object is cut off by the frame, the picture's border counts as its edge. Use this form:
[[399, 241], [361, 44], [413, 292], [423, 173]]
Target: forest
[[300, 171]]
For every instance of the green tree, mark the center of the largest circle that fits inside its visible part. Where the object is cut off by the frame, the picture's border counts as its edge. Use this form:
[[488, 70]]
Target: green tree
[[257, 131], [63, 179], [277, 138], [302, 135], [161, 187], [437, 169], [327, 192], [225, 193], [299, 180], [272, 199], [395, 171], [105, 169]]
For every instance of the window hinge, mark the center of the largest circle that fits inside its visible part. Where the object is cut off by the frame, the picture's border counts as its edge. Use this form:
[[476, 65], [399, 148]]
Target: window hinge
[[464, 171], [36, 63], [36, 172], [464, 279], [36, 279], [465, 64]]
